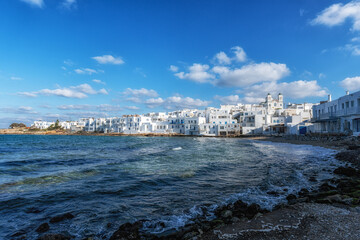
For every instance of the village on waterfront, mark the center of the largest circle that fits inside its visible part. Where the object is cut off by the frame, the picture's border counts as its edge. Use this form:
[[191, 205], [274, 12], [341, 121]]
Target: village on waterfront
[[273, 116]]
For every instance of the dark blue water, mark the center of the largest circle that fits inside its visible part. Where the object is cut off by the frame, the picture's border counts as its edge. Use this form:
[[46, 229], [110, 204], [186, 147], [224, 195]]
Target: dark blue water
[[113, 180]]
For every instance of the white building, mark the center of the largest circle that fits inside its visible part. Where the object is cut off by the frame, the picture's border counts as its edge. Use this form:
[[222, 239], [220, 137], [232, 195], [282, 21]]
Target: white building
[[338, 116]]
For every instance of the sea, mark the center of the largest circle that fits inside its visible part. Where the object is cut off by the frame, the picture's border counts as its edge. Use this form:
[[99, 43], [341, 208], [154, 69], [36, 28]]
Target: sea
[[105, 181]]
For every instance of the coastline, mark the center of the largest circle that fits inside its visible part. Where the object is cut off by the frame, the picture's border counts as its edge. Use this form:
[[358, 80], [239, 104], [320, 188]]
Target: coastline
[[325, 212], [330, 212]]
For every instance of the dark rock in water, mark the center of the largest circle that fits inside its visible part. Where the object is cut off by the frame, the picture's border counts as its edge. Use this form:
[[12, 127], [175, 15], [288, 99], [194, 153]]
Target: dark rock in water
[[43, 228], [54, 237], [19, 233], [127, 231], [326, 187], [312, 179], [347, 171], [252, 210], [353, 147], [61, 218], [226, 214], [303, 192], [274, 193], [33, 210], [290, 197]]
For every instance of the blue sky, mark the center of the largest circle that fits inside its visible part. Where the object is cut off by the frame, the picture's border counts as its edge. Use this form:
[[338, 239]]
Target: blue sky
[[65, 59]]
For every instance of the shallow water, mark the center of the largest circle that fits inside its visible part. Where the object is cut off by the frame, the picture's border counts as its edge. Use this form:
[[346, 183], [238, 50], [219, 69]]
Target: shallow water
[[114, 180]]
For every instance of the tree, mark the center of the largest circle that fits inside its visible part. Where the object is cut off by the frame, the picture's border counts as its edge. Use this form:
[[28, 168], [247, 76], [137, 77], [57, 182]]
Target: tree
[[17, 125]]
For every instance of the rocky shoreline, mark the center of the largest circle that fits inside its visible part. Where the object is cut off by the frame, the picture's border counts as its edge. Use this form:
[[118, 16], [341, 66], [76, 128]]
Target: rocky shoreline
[[327, 211], [239, 220]]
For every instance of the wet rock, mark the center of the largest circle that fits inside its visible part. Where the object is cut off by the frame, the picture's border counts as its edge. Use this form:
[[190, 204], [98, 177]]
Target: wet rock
[[62, 217], [274, 193], [303, 192], [326, 187], [252, 210], [216, 222], [291, 197], [127, 231], [347, 171], [323, 200], [190, 235], [43, 228], [312, 179], [235, 220], [334, 198], [54, 237], [226, 214], [353, 147], [19, 233]]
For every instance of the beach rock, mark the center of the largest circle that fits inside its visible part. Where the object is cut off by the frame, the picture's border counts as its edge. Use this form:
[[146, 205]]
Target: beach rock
[[43, 228], [274, 193], [252, 210], [303, 192], [326, 187], [62, 217], [226, 214], [127, 231], [235, 219], [291, 197], [334, 198], [354, 147], [190, 235], [347, 171], [312, 179], [54, 237]]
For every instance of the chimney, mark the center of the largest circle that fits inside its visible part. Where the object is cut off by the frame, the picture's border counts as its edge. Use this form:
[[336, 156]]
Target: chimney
[[347, 92], [329, 98]]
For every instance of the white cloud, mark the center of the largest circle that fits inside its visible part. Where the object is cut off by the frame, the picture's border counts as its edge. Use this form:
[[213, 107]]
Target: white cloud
[[338, 13], [69, 4], [154, 102], [173, 68], [88, 71], [68, 62], [132, 107], [18, 110], [142, 92], [240, 54], [353, 49], [222, 58], [322, 75], [35, 3], [134, 99], [27, 94], [176, 102], [294, 90], [80, 91], [351, 84], [250, 74], [232, 99], [197, 73], [98, 81], [15, 78], [103, 91], [232, 76], [108, 59], [355, 39], [100, 107]]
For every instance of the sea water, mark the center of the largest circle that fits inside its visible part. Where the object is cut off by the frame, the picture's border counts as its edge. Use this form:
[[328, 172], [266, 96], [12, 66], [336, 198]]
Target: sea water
[[106, 181]]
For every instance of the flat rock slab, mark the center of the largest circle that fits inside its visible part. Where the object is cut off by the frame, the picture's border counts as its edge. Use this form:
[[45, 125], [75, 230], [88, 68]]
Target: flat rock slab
[[300, 221]]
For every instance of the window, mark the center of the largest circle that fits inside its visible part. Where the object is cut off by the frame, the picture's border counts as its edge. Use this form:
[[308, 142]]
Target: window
[[342, 105], [347, 104], [352, 103]]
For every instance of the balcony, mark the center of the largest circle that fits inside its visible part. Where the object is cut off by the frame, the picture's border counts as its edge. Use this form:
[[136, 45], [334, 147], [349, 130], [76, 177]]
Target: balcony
[[336, 115]]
